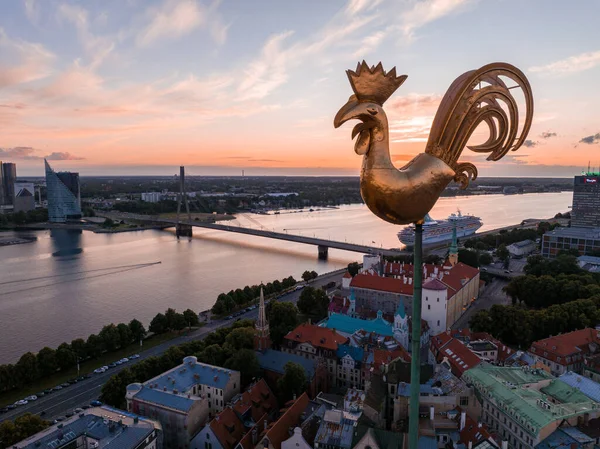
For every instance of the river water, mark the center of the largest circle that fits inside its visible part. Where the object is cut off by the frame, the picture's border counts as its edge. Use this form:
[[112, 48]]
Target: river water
[[68, 284]]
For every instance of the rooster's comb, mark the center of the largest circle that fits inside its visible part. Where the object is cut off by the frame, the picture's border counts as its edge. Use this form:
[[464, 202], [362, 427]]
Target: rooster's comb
[[374, 84]]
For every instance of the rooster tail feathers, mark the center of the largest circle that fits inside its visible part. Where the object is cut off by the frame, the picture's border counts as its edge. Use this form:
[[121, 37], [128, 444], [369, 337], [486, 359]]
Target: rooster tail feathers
[[480, 96]]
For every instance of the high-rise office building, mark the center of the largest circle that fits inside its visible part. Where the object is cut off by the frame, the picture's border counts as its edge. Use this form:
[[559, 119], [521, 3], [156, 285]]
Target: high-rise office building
[[24, 199], [8, 176], [64, 199], [586, 201]]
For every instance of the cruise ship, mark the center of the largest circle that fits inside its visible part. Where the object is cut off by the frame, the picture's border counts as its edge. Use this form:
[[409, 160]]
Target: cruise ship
[[441, 231]]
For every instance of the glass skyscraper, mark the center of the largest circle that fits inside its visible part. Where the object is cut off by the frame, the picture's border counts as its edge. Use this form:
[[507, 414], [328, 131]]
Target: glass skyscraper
[[64, 200], [8, 177]]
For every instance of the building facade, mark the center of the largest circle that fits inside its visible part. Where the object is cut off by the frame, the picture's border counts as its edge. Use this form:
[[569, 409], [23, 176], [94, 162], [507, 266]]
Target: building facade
[[98, 427], [524, 406], [8, 177], [584, 240], [24, 199], [586, 201], [183, 398], [152, 197], [64, 198]]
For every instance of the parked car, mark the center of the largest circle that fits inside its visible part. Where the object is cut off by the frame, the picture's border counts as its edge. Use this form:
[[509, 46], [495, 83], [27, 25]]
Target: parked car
[[69, 414], [105, 367], [48, 391], [21, 402], [99, 370], [11, 406], [58, 387], [79, 379], [85, 407], [72, 381], [4, 410], [31, 398], [42, 413], [118, 362], [113, 365], [124, 360], [65, 385], [59, 419], [78, 410], [40, 394], [86, 376], [95, 403], [134, 356]]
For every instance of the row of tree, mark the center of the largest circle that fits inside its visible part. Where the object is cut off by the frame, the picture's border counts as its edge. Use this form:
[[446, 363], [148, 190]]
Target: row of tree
[[519, 327], [313, 303], [33, 367], [11, 432], [21, 218], [227, 302], [504, 237], [229, 347], [172, 320]]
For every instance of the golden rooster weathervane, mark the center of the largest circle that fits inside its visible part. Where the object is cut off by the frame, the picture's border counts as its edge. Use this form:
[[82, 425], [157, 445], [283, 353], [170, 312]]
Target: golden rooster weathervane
[[406, 195]]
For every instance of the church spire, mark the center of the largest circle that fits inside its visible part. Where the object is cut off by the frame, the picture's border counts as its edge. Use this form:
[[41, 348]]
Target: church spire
[[262, 340], [453, 252]]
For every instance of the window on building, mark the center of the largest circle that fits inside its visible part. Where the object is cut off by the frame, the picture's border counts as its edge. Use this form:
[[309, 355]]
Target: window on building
[[464, 400], [438, 300], [428, 306], [438, 322]]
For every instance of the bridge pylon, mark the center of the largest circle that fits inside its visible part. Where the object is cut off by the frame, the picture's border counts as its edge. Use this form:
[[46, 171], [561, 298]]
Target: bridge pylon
[[323, 252], [182, 229]]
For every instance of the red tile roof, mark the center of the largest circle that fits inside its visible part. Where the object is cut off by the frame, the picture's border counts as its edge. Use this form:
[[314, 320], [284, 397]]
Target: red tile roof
[[434, 284], [503, 350], [339, 304], [383, 357], [228, 428], [278, 431], [473, 432], [380, 283], [573, 344], [453, 278], [347, 275], [246, 442], [459, 357], [319, 337], [257, 398]]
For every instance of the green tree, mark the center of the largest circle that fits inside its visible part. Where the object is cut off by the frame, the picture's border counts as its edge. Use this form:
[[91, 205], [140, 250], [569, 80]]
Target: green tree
[[94, 346], [125, 335], [468, 257], [353, 268], [158, 325], [65, 356], [79, 347], [110, 337], [213, 355], [485, 259], [283, 317], [313, 302], [11, 432], [240, 338], [502, 253], [191, 318], [293, 382], [170, 316], [27, 368], [138, 332], [46, 360], [246, 362], [179, 322], [306, 276]]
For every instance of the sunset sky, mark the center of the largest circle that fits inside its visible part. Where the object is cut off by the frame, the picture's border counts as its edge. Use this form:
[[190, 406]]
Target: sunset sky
[[141, 87]]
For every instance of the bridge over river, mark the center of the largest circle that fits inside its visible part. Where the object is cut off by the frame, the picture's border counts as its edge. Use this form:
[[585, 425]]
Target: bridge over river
[[184, 228]]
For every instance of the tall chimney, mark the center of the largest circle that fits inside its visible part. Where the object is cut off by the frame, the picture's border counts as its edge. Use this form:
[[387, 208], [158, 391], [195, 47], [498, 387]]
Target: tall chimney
[[431, 412], [463, 419]]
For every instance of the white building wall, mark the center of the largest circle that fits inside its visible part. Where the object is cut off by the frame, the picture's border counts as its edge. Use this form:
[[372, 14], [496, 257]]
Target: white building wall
[[296, 441], [433, 309]]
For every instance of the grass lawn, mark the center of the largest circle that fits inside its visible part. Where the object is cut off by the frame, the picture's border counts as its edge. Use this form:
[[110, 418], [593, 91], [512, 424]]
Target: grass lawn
[[87, 366]]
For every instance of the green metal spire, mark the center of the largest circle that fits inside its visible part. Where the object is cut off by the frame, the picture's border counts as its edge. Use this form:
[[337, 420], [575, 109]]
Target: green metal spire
[[454, 244]]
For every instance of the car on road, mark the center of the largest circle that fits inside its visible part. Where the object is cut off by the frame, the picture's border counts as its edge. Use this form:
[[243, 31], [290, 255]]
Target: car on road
[[99, 370], [95, 403], [40, 394], [31, 398], [11, 406], [105, 367], [86, 406], [484, 269], [78, 410], [79, 379], [65, 385], [69, 414], [86, 376], [59, 419], [118, 362], [124, 360], [42, 413], [21, 402], [72, 381], [48, 391], [4, 410], [506, 271], [113, 365], [229, 317], [58, 387], [134, 356]]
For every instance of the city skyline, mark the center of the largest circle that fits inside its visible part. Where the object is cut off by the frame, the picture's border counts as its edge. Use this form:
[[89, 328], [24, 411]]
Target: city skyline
[[140, 87]]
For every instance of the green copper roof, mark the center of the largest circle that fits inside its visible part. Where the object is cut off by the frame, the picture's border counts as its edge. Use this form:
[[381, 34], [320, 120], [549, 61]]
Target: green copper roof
[[534, 398], [349, 325]]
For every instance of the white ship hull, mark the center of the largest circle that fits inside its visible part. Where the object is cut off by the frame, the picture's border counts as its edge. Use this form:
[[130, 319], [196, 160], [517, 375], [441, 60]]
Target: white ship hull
[[438, 232]]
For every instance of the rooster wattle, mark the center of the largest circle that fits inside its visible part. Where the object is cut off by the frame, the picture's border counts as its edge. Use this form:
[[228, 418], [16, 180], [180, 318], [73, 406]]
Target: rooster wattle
[[406, 195]]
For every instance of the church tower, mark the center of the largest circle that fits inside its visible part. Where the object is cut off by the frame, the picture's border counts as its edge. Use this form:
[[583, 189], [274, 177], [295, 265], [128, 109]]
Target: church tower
[[453, 252], [401, 326], [262, 339]]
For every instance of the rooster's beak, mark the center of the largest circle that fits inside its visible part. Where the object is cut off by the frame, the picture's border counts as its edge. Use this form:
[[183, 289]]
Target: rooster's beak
[[347, 112]]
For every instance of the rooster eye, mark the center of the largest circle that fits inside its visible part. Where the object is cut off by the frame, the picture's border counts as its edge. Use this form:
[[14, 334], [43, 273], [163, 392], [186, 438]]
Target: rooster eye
[[372, 111]]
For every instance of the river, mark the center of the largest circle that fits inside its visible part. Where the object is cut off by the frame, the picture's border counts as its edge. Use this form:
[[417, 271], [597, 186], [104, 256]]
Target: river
[[68, 284]]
